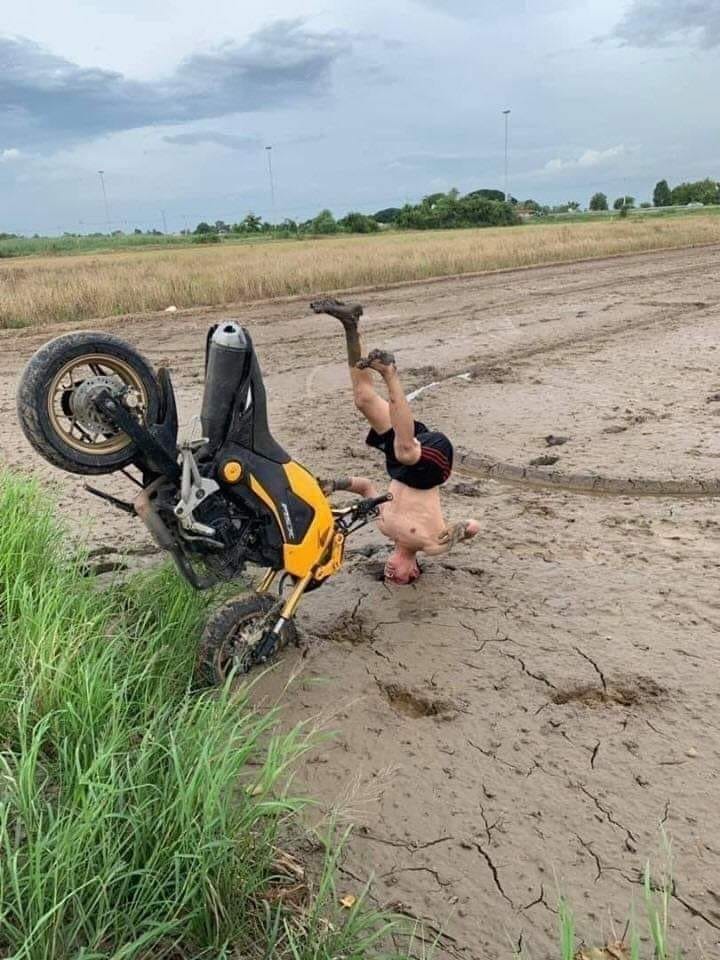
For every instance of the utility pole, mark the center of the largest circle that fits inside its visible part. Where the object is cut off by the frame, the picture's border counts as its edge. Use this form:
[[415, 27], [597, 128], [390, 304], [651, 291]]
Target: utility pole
[[162, 214], [506, 114], [268, 151], [101, 174]]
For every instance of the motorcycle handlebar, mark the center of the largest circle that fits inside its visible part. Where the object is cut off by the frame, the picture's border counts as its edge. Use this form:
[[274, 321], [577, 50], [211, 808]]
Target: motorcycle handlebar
[[367, 506]]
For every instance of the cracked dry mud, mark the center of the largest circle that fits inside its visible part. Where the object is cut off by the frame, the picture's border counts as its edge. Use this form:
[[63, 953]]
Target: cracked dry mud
[[527, 716]]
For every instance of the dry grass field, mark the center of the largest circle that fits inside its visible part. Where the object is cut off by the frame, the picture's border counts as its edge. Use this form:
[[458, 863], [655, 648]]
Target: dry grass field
[[74, 288]]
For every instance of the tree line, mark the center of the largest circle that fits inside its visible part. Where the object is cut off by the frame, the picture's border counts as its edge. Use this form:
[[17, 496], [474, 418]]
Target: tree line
[[438, 210], [702, 192], [478, 208]]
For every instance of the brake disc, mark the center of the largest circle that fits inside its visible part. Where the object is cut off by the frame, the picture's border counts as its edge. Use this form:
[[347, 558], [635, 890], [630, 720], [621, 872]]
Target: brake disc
[[82, 403]]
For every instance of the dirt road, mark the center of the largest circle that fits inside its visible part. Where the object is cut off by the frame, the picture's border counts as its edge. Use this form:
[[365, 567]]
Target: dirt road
[[529, 717]]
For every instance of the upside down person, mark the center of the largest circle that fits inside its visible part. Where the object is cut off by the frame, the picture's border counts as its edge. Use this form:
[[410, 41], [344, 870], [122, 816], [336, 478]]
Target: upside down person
[[418, 460]]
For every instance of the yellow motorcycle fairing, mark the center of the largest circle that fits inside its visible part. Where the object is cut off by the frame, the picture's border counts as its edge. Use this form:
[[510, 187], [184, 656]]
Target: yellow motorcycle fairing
[[298, 506]]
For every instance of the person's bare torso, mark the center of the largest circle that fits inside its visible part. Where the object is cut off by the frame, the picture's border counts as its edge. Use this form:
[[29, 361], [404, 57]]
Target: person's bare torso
[[413, 519]]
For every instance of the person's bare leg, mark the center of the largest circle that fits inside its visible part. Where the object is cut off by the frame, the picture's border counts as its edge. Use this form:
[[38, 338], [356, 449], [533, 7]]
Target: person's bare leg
[[407, 448], [373, 407]]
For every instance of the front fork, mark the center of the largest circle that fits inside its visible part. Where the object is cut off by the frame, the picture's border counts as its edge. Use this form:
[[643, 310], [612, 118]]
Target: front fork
[[331, 562], [267, 646]]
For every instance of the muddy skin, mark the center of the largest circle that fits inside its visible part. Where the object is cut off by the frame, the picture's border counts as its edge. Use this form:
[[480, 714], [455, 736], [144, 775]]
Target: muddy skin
[[344, 312], [348, 314], [455, 534], [376, 360]]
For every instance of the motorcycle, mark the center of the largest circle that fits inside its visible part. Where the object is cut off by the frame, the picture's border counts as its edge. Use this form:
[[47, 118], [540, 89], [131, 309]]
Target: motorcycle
[[89, 403]]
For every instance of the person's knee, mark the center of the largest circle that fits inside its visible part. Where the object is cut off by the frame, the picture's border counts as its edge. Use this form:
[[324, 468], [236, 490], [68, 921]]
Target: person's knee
[[407, 452], [364, 398]]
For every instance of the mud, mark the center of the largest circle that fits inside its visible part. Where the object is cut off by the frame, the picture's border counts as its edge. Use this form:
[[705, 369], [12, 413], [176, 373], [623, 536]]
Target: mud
[[528, 716]]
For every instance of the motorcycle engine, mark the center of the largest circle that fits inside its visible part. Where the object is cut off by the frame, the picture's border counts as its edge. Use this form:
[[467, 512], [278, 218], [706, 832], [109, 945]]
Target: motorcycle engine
[[235, 529]]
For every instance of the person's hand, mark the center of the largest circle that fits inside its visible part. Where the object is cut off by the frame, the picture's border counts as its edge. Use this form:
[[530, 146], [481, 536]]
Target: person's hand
[[458, 532]]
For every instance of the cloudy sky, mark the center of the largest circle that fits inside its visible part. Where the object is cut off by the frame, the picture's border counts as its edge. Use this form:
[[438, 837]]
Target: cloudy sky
[[366, 103]]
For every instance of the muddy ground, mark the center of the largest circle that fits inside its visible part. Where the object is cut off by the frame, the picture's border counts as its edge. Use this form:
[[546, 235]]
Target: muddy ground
[[532, 715]]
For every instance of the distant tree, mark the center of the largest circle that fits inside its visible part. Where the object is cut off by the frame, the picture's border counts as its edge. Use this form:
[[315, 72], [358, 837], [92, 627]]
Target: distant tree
[[700, 191], [531, 205], [573, 205], [221, 227], [324, 222], [646, 205], [624, 202], [432, 199], [358, 223], [388, 215], [448, 210], [662, 196], [203, 227], [251, 223], [487, 194], [137, 231], [599, 201]]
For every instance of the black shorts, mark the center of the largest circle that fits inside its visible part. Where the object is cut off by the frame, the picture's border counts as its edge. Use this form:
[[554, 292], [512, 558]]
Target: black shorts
[[435, 463]]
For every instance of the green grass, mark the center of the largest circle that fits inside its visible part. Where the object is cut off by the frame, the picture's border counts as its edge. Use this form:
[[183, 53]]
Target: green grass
[[43, 246], [49, 246], [635, 213], [138, 818]]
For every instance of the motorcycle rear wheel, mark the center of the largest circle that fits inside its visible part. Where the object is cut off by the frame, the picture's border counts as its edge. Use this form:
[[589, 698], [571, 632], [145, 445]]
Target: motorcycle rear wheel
[[55, 401], [231, 634]]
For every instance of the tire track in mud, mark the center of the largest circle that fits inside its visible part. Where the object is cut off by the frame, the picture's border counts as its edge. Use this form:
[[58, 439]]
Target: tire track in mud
[[485, 468]]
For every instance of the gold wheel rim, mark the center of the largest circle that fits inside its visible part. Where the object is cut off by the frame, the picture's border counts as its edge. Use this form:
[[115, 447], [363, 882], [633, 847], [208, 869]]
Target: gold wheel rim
[[65, 423]]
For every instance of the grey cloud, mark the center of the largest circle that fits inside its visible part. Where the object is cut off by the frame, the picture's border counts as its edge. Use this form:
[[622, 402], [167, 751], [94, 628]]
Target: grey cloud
[[659, 23], [46, 98], [231, 140], [471, 9], [454, 8], [234, 141]]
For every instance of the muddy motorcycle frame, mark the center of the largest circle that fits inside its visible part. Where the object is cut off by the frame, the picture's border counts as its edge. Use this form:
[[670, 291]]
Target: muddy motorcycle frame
[[216, 503]]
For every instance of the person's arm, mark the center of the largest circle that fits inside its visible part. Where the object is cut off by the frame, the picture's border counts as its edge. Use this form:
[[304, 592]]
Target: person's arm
[[359, 485], [451, 536]]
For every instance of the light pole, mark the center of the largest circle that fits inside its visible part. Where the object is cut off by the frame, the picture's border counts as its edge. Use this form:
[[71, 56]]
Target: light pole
[[506, 114], [101, 174], [268, 151]]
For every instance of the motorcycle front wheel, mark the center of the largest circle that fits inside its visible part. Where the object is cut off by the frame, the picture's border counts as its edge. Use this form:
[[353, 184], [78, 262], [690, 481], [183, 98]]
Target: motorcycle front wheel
[[233, 632], [55, 401]]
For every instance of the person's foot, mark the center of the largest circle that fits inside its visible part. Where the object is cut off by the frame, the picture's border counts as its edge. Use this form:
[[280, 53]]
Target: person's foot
[[380, 360], [344, 312]]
